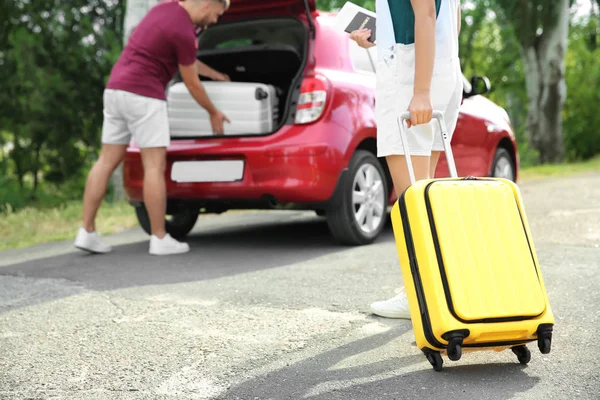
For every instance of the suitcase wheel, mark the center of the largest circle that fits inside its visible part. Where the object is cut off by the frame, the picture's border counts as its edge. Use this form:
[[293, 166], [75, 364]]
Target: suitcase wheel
[[523, 354], [544, 334], [545, 344], [435, 359], [455, 348]]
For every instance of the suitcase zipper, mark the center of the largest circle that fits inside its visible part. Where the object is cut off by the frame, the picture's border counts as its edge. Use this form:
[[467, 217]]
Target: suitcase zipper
[[414, 268], [443, 269]]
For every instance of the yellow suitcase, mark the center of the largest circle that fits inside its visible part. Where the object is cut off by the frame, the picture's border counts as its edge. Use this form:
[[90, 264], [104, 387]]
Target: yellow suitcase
[[469, 265]]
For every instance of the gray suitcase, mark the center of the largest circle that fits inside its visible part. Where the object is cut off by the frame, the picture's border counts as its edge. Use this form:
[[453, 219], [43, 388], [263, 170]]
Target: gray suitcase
[[251, 107]]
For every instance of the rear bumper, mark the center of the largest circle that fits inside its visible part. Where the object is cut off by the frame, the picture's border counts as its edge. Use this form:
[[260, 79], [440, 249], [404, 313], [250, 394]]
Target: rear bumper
[[277, 171]]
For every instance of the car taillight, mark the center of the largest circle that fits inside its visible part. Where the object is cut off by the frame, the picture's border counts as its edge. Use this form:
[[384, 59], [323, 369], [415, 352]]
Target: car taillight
[[313, 97]]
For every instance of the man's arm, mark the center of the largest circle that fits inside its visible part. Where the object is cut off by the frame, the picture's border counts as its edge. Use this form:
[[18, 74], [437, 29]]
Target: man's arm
[[191, 80], [205, 70], [425, 25]]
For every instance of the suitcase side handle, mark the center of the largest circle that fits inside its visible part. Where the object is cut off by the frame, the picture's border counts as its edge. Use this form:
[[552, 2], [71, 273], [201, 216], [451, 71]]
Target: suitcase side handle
[[439, 117]]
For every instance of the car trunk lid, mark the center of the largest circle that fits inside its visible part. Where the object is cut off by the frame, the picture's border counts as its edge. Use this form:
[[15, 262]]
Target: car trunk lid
[[242, 8], [253, 8]]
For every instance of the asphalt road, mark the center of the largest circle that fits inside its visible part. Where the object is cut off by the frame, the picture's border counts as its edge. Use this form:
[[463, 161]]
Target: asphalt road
[[275, 310]]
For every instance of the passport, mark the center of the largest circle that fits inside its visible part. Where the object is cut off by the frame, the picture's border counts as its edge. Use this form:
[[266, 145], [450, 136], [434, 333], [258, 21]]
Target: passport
[[363, 21], [353, 17]]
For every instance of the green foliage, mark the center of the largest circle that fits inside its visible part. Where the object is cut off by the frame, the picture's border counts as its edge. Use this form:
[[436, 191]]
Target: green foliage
[[56, 56], [581, 116], [11, 195], [328, 5]]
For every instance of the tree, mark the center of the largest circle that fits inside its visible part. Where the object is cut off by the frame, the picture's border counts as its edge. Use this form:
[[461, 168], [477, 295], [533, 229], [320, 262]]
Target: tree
[[55, 56], [582, 137], [542, 28]]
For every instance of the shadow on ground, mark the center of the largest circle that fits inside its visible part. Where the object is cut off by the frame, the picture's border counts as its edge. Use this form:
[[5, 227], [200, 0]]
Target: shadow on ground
[[319, 377], [217, 253]]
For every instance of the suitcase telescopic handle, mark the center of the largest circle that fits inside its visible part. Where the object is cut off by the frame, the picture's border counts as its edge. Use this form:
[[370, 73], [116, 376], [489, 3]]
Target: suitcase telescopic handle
[[439, 117]]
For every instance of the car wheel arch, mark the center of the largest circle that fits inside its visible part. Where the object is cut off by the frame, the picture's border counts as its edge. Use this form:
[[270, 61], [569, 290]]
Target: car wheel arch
[[370, 144], [507, 144]]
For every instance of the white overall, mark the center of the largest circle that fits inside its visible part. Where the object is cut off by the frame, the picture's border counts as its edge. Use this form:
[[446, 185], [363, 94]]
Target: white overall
[[395, 83]]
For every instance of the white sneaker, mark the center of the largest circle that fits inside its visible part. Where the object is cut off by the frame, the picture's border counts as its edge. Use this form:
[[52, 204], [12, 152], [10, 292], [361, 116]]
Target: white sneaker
[[396, 307], [166, 246], [91, 242]]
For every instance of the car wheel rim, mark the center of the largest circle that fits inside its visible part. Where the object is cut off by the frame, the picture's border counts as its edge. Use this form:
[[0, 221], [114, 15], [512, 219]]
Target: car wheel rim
[[368, 198], [504, 169]]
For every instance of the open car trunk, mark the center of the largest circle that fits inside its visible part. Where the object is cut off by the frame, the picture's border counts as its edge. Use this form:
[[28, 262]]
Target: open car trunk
[[265, 60], [244, 9]]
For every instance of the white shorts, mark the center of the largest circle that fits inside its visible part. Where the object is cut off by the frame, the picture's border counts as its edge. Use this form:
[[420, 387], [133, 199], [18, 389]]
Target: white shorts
[[395, 85], [128, 115]]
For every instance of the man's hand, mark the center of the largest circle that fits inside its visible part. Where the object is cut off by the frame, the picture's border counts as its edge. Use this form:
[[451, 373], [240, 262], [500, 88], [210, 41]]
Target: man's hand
[[218, 76], [217, 120], [361, 37], [421, 109]]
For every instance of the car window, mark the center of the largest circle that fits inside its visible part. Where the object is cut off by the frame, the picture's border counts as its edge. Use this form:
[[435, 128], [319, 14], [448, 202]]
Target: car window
[[361, 58]]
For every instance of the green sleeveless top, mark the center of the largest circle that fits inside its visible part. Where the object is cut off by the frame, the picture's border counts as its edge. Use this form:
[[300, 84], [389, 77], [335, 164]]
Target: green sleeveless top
[[403, 18]]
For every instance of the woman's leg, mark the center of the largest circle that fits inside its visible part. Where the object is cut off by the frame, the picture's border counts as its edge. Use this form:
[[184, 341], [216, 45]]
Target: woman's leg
[[435, 158], [399, 171], [397, 306]]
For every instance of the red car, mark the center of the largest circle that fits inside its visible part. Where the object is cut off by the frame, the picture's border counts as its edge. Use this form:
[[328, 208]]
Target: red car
[[320, 151]]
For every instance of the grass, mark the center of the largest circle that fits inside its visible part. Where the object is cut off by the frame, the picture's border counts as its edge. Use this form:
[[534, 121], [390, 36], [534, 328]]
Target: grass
[[30, 226], [560, 170]]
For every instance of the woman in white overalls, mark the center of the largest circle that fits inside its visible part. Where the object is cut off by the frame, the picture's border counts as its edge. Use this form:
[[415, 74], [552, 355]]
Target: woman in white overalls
[[418, 70]]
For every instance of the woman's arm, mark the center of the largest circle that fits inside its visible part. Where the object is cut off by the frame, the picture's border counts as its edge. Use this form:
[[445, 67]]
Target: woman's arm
[[420, 108], [459, 18]]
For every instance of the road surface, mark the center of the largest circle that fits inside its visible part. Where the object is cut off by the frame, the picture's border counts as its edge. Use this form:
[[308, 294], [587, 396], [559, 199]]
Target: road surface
[[275, 310]]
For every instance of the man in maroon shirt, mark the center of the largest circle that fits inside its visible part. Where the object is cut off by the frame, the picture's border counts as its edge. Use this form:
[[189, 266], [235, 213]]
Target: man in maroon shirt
[[135, 106]]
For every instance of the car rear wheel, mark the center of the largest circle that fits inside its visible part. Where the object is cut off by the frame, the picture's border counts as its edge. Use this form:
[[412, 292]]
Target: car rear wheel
[[503, 166], [177, 224], [362, 209]]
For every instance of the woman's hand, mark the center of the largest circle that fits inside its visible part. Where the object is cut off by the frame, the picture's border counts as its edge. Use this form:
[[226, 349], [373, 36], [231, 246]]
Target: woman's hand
[[421, 109], [361, 37]]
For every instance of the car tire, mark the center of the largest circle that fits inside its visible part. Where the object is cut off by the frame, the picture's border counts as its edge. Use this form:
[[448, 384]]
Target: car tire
[[361, 211], [503, 166], [178, 226]]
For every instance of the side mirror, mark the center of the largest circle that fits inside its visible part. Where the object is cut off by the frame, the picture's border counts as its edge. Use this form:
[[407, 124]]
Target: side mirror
[[480, 85]]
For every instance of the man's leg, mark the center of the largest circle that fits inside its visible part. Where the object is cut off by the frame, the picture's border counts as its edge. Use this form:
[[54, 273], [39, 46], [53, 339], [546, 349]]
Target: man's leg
[[155, 193], [151, 132], [155, 199], [110, 156], [115, 139]]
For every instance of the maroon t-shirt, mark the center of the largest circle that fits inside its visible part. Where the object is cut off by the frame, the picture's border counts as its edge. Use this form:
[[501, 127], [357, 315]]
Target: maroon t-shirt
[[162, 40]]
